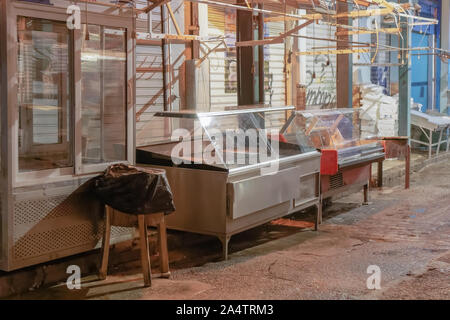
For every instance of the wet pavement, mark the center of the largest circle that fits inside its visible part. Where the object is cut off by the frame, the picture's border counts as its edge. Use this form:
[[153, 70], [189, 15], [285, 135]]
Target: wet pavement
[[406, 233]]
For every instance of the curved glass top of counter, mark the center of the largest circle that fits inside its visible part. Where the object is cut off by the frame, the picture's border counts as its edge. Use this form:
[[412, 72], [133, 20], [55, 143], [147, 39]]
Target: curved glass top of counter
[[235, 138], [338, 129]]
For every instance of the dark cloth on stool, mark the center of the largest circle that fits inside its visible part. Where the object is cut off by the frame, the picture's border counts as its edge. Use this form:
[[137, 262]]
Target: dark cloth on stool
[[135, 190]]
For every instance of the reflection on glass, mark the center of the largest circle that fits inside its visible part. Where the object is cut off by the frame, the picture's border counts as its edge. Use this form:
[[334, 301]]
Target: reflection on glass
[[103, 81], [337, 129], [225, 140], [332, 129], [43, 70]]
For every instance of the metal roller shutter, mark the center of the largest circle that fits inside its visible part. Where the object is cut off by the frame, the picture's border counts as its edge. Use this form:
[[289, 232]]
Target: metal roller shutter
[[222, 64], [149, 85]]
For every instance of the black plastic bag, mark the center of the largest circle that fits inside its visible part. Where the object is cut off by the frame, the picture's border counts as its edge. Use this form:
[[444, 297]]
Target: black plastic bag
[[135, 190]]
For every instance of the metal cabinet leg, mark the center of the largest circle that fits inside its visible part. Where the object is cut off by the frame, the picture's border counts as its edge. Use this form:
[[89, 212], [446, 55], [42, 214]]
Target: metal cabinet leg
[[439, 142], [448, 139], [407, 166], [321, 204], [145, 256], [224, 240], [366, 194], [430, 144], [380, 174], [105, 244], [318, 216]]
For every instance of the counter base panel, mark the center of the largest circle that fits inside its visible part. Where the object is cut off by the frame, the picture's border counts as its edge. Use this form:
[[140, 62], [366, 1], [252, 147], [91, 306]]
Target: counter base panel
[[213, 203], [347, 179]]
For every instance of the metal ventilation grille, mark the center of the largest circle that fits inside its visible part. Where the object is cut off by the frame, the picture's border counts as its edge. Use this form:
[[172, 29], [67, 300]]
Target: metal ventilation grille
[[46, 226], [40, 243], [59, 226], [336, 181]]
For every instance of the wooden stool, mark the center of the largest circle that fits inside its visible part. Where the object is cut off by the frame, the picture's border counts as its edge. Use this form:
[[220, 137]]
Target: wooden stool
[[142, 222]]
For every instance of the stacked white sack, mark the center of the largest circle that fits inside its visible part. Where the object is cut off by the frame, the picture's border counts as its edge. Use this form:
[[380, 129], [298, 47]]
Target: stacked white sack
[[379, 114]]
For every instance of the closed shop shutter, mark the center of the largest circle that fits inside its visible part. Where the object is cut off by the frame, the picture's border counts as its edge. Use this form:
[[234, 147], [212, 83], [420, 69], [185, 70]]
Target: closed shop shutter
[[222, 64], [221, 23], [275, 88], [149, 85]]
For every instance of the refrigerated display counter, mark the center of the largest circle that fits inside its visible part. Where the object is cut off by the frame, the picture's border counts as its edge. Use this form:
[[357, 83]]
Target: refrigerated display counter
[[346, 156], [232, 170]]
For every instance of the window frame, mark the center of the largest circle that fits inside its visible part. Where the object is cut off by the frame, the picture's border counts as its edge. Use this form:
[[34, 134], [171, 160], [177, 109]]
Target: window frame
[[58, 14]]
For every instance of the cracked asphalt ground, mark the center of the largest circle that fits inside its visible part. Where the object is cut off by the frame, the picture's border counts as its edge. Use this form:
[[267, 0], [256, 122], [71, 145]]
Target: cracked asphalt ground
[[404, 232]]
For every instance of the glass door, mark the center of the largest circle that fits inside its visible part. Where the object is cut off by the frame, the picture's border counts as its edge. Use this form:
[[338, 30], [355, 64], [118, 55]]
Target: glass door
[[103, 94], [44, 100]]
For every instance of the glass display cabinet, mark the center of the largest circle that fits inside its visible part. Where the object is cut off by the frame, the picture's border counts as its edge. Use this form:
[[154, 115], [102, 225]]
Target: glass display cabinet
[[67, 112], [232, 170], [346, 156]]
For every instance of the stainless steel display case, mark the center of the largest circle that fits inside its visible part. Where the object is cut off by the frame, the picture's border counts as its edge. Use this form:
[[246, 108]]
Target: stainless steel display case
[[223, 197]]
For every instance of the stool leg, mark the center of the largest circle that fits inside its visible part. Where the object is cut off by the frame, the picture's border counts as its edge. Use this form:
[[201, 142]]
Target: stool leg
[[145, 257], [163, 251], [105, 244]]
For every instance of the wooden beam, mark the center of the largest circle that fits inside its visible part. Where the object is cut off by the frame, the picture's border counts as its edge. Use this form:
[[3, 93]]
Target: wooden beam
[[152, 42], [363, 3], [157, 39], [363, 13], [312, 16], [343, 62], [251, 43], [245, 57], [169, 8], [260, 49], [320, 16], [353, 32], [181, 37], [294, 30], [206, 55], [273, 40], [337, 51], [196, 31], [154, 5]]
